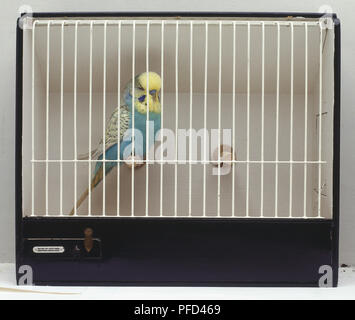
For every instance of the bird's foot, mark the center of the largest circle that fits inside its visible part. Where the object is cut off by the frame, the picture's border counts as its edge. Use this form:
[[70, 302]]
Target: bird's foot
[[223, 154], [135, 161]]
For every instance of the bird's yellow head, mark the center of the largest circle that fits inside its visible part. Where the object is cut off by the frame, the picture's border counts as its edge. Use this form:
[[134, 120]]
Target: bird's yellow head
[[147, 88]]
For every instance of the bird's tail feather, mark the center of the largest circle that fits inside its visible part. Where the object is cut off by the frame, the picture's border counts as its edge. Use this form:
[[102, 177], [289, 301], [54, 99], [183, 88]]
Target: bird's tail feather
[[85, 156], [94, 182]]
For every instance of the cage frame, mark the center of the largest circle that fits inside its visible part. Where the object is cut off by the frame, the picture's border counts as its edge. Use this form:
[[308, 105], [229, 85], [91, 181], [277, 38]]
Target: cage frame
[[307, 251]]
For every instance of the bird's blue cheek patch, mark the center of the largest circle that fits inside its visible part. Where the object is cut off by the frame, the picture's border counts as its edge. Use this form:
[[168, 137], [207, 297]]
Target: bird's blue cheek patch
[[141, 98]]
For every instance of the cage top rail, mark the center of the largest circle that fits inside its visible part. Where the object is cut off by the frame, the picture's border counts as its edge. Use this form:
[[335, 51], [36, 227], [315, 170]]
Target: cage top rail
[[193, 215], [199, 21], [180, 17]]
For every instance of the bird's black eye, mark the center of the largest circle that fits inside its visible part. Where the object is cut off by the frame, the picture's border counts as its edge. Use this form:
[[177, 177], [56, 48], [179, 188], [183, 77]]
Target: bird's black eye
[[141, 98]]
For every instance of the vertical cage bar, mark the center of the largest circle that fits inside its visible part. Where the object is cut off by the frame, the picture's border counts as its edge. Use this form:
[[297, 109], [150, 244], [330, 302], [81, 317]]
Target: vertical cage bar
[[104, 124], [233, 107], [90, 118], [291, 121], [33, 122], [47, 112], [75, 115], [305, 121], [61, 117], [190, 143], [177, 109], [147, 125], [248, 126], [162, 118], [133, 112], [119, 115], [205, 120], [219, 120], [277, 121], [262, 120], [319, 214]]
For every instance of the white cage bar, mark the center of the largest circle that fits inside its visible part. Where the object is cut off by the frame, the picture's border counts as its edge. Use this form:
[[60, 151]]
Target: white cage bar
[[133, 113], [305, 121], [205, 120], [75, 116], [104, 122], [147, 129], [262, 122], [119, 112], [262, 80], [162, 116], [177, 110], [277, 123], [47, 114]]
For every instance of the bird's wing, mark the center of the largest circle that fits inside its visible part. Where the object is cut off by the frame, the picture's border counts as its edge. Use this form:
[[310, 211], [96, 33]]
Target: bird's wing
[[111, 136]]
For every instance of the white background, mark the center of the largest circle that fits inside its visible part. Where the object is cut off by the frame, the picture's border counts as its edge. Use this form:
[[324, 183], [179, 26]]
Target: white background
[[9, 14]]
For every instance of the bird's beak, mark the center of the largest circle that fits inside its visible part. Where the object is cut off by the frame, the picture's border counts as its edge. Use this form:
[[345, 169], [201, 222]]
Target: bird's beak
[[156, 96]]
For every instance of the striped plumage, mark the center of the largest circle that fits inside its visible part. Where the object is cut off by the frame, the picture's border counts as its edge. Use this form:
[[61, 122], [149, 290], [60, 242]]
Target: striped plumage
[[111, 137]]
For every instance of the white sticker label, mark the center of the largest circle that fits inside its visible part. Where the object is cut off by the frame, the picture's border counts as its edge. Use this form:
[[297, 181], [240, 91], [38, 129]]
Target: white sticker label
[[48, 249]]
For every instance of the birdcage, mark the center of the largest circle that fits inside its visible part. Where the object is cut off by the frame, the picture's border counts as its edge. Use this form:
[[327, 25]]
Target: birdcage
[[240, 186]]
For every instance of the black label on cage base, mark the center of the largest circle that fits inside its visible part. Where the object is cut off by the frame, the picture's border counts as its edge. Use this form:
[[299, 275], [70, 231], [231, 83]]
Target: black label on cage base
[[62, 248]]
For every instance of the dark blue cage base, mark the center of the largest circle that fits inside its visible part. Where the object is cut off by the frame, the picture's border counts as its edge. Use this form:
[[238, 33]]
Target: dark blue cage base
[[216, 252]]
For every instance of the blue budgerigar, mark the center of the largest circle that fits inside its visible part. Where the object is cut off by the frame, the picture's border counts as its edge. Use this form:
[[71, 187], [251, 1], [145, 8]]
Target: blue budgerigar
[[146, 93]]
